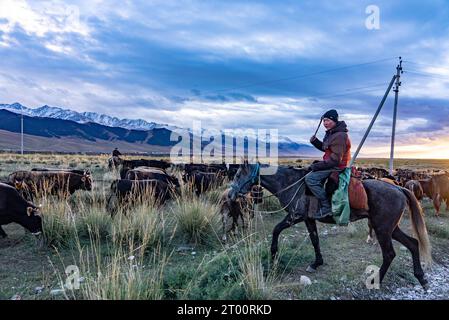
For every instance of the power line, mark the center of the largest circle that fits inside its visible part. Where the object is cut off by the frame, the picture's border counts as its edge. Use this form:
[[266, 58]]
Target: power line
[[427, 74], [305, 75], [426, 65], [351, 91]]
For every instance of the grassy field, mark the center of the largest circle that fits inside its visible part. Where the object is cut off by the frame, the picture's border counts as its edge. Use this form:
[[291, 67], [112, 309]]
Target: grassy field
[[174, 251]]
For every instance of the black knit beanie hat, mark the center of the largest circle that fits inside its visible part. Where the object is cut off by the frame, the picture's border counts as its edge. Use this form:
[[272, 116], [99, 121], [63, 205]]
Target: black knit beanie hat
[[331, 114]]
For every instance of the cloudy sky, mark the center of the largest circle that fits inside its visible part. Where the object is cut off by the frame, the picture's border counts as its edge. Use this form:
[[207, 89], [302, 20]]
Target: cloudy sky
[[236, 64]]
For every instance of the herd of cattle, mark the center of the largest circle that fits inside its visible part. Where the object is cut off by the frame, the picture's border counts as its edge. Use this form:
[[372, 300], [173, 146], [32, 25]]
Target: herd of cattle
[[140, 177], [431, 184]]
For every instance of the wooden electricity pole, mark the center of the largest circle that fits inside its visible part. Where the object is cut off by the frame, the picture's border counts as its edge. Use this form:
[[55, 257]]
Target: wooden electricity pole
[[354, 157], [395, 111], [21, 132]]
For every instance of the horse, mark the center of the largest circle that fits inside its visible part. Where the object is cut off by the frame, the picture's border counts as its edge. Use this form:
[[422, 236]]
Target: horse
[[387, 204]]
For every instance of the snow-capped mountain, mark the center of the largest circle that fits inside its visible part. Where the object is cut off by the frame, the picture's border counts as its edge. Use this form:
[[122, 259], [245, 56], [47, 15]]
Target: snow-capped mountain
[[285, 145], [84, 117]]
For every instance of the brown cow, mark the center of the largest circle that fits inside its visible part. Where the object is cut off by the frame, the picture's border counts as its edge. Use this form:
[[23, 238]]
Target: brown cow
[[440, 191], [51, 182]]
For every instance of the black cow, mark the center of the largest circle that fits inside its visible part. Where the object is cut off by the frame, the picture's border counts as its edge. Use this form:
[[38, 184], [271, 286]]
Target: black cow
[[14, 208], [128, 191], [203, 181]]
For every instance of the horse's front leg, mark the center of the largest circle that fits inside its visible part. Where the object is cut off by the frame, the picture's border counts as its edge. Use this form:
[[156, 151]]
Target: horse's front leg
[[284, 224], [313, 234]]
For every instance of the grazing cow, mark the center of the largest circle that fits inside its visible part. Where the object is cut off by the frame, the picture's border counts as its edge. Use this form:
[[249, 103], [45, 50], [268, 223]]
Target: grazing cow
[[440, 191], [415, 187], [128, 191], [241, 208], [14, 208], [52, 182], [203, 181], [148, 173], [127, 165]]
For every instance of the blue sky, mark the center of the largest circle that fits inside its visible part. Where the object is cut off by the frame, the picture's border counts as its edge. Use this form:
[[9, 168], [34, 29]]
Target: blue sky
[[235, 64]]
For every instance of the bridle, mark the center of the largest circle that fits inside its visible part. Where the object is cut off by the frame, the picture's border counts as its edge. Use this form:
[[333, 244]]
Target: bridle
[[255, 174]]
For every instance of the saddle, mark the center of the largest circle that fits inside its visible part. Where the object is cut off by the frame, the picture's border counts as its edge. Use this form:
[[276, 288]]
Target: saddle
[[358, 199]]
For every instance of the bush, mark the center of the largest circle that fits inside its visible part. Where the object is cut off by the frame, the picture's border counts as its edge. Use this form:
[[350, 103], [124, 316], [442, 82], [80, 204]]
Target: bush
[[196, 219], [144, 225]]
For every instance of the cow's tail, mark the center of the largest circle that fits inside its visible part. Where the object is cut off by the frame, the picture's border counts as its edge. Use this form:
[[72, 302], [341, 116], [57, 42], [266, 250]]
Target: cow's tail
[[419, 227]]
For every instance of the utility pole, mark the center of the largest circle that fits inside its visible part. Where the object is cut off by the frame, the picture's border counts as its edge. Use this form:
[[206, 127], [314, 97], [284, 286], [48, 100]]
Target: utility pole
[[395, 111], [21, 132], [354, 157]]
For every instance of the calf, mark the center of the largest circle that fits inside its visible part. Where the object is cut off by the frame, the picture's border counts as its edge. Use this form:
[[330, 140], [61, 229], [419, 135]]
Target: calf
[[242, 208], [14, 208]]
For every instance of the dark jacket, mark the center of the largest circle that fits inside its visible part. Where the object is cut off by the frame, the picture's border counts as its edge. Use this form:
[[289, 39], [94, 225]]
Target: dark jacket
[[336, 147]]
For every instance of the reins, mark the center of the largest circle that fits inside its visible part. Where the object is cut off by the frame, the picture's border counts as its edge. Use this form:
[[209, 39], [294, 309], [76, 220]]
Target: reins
[[291, 200]]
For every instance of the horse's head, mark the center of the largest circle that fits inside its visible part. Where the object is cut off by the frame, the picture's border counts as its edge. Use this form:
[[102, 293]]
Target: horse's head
[[247, 175]]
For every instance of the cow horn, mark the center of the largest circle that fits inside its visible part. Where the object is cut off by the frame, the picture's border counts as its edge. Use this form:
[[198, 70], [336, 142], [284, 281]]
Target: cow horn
[[29, 211]]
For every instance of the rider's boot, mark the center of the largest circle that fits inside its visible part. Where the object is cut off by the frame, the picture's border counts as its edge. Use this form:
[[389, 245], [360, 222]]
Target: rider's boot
[[324, 210]]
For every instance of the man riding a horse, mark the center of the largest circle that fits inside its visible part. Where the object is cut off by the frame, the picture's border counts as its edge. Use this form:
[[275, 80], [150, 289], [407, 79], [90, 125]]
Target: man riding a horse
[[336, 146], [387, 203]]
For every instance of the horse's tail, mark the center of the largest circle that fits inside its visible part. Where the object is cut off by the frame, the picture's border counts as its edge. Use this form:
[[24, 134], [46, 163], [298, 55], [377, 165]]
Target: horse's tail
[[419, 227]]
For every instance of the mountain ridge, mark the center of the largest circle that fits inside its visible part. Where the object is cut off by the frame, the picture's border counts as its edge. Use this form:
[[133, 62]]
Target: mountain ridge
[[58, 123]]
